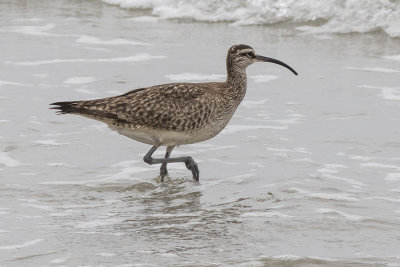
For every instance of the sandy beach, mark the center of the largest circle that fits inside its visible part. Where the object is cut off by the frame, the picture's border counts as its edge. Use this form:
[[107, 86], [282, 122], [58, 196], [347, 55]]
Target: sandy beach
[[307, 172]]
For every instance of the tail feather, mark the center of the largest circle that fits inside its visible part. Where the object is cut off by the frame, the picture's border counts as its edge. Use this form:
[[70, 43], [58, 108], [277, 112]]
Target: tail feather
[[65, 107], [78, 107]]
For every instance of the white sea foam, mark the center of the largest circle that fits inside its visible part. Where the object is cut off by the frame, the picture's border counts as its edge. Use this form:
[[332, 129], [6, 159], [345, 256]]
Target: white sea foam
[[365, 159], [119, 234], [127, 172], [2, 83], [380, 165], [391, 93], [188, 76], [336, 16], [93, 40], [263, 78], [177, 225], [79, 80], [62, 214], [254, 103], [29, 200], [64, 182], [296, 150], [29, 19], [138, 57], [23, 245], [98, 222], [41, 207], [106, 254], [332, 168], [58, 261], [390, 199], [376, 69], [286, 257], [336, 197], [206, 148], [6, 161], [353, 182], [295, 258], [34, 120], [126, 163], [241, 128], [266, 214], [296, 190], [50, 143], [254, 163], [351, 217], [145, 19], [293, 119], [393, 176], [217, 160], [31, 29], [102, 49], [329, 170], [85, 91], [58, 164], [360, 158], [241, 178], [292, 103], [394, 57]]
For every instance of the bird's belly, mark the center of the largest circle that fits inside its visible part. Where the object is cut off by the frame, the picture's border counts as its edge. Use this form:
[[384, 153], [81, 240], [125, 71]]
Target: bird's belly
[[154, 136], [204, 134], [166, 137]]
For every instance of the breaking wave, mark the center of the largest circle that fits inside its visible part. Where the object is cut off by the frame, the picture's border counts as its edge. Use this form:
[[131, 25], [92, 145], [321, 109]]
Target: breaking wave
[[330, 16]]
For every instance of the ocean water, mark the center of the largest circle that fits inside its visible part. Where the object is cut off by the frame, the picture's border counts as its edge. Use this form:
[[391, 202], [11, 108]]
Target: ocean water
[[333, 16], [307, 173]]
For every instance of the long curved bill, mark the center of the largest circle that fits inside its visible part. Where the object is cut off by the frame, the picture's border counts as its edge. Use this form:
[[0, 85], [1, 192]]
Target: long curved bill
[[272, 60]]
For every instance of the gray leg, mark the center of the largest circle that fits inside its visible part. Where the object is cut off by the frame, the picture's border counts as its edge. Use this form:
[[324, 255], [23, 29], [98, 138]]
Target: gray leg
[[189, 162], [163, 169]]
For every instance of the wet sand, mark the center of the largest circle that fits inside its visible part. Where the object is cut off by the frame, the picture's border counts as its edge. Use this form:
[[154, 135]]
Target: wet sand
[[306, 173]]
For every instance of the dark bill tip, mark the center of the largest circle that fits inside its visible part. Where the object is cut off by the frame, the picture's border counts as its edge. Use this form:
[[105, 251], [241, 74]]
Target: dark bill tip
[[272, 60]]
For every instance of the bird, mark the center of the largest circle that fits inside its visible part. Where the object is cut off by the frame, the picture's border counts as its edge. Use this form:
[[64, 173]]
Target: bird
[[174, 114]]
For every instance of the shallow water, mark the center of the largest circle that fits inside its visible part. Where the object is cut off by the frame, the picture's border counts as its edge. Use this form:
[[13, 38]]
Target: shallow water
[[307, 173]]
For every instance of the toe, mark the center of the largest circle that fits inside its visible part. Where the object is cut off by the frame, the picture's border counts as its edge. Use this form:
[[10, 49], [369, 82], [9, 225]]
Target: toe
[[195, 171], [192, 165]]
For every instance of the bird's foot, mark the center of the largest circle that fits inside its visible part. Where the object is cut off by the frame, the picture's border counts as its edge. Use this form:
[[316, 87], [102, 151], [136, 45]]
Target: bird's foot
[[163, 171], [192, 165]]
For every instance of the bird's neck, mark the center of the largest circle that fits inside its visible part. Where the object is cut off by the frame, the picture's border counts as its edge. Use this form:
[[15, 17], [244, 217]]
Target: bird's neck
[[237, 79]]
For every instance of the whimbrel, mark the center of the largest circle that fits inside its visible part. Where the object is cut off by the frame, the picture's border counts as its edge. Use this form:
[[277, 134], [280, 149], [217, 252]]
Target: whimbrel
[[174, 114]]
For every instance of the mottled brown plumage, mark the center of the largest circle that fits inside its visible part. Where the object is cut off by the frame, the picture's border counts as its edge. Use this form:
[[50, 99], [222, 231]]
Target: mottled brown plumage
[[181, 107], [177, 113]]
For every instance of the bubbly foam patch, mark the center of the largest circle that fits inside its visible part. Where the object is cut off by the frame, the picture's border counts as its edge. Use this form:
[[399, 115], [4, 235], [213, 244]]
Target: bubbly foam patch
[[138, 57], [336, 16]]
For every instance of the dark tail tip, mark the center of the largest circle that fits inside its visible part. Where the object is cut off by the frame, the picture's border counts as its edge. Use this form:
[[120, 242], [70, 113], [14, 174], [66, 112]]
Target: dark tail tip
[[64, 107]]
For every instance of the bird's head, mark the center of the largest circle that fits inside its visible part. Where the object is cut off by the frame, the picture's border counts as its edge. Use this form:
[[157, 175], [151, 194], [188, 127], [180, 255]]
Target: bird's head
[[241, 56]]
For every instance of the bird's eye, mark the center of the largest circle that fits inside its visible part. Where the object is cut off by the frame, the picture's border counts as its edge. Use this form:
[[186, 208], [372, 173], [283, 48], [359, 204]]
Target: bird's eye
[[249, 54]]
